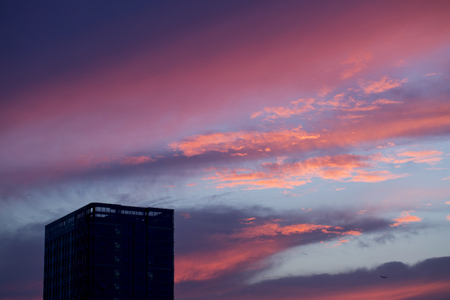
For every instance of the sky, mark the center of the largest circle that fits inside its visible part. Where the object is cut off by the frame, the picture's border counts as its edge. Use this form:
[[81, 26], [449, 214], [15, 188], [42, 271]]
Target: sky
[[304, 145]]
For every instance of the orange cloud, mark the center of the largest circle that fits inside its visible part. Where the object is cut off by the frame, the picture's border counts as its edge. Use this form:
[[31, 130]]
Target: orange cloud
[[384, 84], [273, 229], [448, 217], [405, 218], [223, 142], [204, 265], [340, 243], [288, 175], [282, 112], [256, 242], [414, 120]]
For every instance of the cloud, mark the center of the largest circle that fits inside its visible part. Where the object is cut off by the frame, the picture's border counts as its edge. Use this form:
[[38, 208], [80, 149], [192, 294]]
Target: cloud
[[388, 145], [382, 239], [127, 160], [218, 241], [405, 218], [386, 101], [256, 114], [206, 265], [288, 175], [431, 157], [21, 262], [300, 106], [89, 160], [273, 228], [414, 120], [359, 61], [427, 279], [185, 215], [384, 84], [324, 91], [224, 142]]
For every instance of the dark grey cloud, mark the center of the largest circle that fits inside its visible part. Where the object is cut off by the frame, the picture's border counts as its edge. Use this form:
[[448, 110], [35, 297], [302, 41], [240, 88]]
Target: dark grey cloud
[[364, 281], [22, 263], [22, 253]]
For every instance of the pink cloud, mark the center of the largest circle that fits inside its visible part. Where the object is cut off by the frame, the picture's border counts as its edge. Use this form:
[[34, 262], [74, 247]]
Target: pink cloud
[[358, 60], [324, 91], [388, 145], [300, 106], [425, 156], [405, 218], [256, 114], [223, 142], [384, 84], [386, 101], [289, 175], [185, 215], [128, 160]]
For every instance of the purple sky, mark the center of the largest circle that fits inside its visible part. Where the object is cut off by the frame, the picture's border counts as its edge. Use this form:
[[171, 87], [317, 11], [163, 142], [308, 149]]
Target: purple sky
[[304, 145]]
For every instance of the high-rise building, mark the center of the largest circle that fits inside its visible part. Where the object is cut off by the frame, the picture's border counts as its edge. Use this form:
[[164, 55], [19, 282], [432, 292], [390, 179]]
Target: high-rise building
[[107, 251]]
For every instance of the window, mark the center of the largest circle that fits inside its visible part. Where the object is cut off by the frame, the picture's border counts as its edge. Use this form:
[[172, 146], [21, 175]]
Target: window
[[116, 273], [116, 286], [117, 259]]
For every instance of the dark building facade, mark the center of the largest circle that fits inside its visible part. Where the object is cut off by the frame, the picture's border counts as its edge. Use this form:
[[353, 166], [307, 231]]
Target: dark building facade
[[106, 251]]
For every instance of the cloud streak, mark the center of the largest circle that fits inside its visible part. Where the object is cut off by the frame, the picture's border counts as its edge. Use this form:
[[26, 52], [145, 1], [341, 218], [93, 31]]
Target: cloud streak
[[288, 175]]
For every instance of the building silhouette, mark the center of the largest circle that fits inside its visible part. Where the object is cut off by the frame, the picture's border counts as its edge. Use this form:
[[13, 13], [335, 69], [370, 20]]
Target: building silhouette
[[107, 251]]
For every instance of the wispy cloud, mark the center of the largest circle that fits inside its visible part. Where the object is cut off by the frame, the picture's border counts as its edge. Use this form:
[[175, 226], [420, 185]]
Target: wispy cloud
[[425, 156], [224, 142], [384, 84], [358, 60], [288, 175]]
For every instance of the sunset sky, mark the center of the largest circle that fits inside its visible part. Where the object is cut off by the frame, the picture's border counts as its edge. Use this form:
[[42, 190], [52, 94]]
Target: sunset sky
[[304, 145]]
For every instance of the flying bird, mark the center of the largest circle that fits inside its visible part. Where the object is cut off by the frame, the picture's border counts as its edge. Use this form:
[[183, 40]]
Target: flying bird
[[383, 276]]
